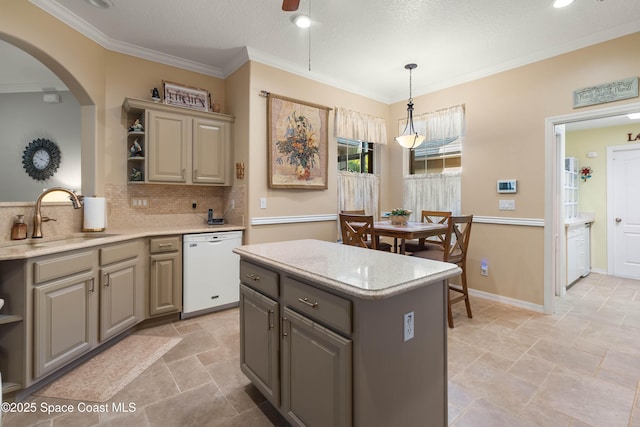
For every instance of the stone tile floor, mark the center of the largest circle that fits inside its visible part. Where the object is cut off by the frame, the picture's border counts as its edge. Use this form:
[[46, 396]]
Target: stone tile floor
[[507, 367]]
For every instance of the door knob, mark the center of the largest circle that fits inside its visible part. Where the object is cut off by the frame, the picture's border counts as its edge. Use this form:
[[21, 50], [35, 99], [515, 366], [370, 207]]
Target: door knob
[[618, 219]]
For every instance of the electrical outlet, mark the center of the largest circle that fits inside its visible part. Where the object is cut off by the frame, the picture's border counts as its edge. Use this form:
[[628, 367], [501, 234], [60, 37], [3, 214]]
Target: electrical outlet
[[138, 203], [484, 267], [194, 204], [233, 204], [409, 326], [263, 203]]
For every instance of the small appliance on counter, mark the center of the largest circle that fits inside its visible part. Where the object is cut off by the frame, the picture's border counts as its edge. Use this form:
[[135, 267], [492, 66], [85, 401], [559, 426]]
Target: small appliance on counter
[[19, 229], [214, 221]]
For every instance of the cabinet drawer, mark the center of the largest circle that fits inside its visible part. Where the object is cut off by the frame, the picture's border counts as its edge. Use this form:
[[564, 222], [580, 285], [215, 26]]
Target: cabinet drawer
[[260, 278], [164, 244], [62, 266], [119, 252], [322, 306]]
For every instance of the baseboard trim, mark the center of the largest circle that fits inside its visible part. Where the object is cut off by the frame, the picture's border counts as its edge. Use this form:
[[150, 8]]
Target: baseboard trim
[[504, 300]]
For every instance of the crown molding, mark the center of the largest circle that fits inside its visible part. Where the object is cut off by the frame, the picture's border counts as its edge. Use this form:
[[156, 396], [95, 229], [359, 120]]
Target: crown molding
[[29, 87]]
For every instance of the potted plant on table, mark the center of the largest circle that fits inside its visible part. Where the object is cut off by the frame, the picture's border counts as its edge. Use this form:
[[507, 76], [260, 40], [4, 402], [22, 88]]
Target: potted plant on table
[[399, 216]]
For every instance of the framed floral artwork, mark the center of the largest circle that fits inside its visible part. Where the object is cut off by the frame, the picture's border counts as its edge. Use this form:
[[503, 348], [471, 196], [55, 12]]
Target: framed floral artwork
[[298, 147]]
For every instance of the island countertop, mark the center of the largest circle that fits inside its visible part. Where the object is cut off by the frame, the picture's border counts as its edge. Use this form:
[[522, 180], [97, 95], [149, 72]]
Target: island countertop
[[360, 272]]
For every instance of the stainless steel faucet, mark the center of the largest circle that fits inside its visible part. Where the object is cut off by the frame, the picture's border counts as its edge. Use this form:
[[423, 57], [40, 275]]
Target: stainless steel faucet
[[38, 219]]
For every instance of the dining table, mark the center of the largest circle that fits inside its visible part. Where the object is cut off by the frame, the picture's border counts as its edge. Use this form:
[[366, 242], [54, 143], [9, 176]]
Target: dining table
[[408, 231]]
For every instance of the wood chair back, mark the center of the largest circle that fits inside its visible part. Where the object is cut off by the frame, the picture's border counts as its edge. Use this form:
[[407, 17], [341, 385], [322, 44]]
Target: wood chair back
[[355, 230], [457, 239], [435, 217], [354, 212]]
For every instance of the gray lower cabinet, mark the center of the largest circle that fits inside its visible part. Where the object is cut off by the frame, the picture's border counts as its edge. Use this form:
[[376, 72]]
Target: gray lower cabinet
[[165, 275], [316, 373], [65, 307], [82, 299], [296, 358], [260, 343], [121, 288]]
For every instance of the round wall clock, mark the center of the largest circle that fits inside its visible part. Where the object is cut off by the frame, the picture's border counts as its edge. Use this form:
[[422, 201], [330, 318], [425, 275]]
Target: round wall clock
[[41, 159]]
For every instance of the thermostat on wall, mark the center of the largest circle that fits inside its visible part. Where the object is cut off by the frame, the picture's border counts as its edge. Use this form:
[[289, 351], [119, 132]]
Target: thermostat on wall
[[506, 186]]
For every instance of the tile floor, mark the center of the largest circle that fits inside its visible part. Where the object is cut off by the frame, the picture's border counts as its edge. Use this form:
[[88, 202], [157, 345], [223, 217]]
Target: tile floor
[[507, 367]]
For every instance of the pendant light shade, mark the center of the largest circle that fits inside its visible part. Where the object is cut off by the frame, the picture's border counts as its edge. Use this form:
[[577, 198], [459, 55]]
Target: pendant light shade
[[410, 138]]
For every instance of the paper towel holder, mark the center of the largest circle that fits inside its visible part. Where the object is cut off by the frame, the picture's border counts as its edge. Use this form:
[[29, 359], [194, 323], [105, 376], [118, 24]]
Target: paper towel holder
[[103, 219]]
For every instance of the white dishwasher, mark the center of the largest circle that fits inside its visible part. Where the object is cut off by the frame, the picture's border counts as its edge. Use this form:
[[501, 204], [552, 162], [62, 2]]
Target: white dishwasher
[[211, 276]]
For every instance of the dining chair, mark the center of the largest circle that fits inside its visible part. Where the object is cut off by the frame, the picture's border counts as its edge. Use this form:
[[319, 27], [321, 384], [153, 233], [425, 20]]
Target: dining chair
[[356, 230], [455, 250], [433, 242]]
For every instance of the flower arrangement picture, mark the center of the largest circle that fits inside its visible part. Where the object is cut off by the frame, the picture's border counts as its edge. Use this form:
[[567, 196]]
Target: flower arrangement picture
[[300, 145]]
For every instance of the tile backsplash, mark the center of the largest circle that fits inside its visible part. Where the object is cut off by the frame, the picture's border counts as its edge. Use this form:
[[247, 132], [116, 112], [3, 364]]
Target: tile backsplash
[[137, 205]]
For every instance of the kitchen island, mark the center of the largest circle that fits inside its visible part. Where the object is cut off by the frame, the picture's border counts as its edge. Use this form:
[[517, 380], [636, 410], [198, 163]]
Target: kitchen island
[[336, 335]]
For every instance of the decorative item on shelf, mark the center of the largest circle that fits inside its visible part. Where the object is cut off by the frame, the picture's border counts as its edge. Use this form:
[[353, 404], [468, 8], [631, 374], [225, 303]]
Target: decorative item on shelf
[[155, 95], [136, 175], [216, 107], [136, 149], [186, 96], [136, 126], [399, 216], [585, 173], [240, 170]]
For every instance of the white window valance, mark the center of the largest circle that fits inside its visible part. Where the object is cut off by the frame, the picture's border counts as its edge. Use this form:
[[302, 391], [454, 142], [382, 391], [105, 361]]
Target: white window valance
[[359, 126], [440, 128]]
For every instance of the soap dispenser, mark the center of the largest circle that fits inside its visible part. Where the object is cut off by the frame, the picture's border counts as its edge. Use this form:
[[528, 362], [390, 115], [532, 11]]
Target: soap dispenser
[[19, 229]]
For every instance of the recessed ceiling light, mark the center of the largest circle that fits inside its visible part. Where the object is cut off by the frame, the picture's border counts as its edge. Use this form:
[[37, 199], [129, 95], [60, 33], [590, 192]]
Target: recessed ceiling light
[[101, 4], [301, 21], [561, 3], [634, 116]]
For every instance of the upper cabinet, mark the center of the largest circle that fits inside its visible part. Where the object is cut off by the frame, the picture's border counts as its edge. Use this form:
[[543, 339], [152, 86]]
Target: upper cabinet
[[178, 145]]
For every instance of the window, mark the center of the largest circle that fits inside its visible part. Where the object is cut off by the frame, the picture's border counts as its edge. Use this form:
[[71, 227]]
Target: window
[[355, 156], [436, 157]]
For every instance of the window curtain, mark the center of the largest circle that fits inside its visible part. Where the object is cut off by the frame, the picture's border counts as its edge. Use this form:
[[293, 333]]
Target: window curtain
[[441, 127], [358, 191], [359, 126], [433, 191]]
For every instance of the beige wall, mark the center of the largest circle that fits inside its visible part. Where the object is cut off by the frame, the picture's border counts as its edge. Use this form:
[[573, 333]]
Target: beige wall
[[505, 139], [593, 192], [293, 202]]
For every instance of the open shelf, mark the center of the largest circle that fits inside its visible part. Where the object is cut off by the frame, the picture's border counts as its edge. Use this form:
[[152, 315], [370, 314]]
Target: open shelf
[[9, 318]]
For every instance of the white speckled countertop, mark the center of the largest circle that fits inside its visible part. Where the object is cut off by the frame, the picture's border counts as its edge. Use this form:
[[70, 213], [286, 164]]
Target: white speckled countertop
[[360, 272], [20, 249]]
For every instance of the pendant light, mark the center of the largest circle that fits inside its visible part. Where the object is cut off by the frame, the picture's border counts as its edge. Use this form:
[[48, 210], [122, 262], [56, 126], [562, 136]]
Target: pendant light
[[409, 137]]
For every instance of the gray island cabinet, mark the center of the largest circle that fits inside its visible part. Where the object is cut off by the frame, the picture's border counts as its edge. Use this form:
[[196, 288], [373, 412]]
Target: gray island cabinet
[[336, 335]]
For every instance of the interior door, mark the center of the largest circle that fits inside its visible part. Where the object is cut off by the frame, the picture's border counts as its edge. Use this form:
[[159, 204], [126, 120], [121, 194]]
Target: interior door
[[624, 210]]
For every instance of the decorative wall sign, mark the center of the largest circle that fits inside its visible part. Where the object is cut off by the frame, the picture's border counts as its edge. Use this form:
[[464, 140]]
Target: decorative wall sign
[[608, 92], [298, 146], [186, 96]]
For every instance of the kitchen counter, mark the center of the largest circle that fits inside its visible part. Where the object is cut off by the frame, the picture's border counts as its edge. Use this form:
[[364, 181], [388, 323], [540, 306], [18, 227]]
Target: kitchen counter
[[581, 219], [360, 272], [22, 249], [345, 336]]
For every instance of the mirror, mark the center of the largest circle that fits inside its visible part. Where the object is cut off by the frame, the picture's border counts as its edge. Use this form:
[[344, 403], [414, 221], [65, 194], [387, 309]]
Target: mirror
[[34, 105]]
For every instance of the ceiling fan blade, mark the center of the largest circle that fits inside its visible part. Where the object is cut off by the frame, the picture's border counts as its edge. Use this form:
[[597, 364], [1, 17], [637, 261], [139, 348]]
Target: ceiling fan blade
[[290, 5]]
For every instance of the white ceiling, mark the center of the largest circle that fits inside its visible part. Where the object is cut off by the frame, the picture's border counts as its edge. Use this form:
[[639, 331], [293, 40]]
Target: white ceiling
[[357, 45]]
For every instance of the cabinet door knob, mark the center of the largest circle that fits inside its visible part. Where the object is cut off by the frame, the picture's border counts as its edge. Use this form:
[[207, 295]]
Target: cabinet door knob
[[91, 285], [270, 320], [284, 334], [618, 219], [106, 280], [253, 277]]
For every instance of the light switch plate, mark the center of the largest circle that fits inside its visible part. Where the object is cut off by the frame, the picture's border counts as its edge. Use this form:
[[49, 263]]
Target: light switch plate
[[507, 205]]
